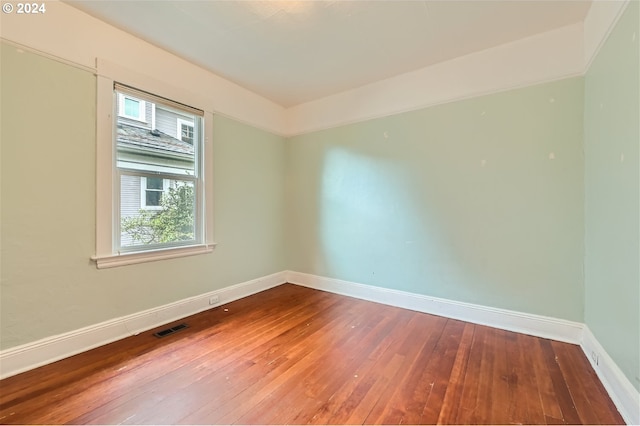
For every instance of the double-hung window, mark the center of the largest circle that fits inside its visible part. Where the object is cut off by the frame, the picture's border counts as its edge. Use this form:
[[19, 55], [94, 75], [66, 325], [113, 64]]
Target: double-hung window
[[167, 170], [153, 198]]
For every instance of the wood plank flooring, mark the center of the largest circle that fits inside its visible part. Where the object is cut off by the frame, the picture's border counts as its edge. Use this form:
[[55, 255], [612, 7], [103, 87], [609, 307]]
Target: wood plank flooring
[[295, 355]]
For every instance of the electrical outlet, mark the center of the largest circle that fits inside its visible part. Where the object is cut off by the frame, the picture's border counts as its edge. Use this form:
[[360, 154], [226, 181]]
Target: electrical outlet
[[595, 358], [214, 299]]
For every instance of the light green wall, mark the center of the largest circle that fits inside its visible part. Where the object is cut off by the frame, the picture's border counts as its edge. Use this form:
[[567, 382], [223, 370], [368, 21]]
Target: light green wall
[[48, 283], [612, 198], [406, 202]]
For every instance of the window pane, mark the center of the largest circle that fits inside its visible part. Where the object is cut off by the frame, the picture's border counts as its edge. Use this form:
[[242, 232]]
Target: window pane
[[153, 198], [131, 107], [187, 133], [155, 183], [158, 150], [173, 222]]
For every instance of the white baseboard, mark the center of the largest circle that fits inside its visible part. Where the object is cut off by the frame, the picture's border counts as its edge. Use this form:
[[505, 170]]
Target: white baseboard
[[536, 325], [626, 398], [45, 351], [624, 395], [620, 389]]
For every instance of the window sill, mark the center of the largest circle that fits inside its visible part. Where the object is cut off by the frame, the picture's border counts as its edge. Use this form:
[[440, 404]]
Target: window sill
[[113, 261]]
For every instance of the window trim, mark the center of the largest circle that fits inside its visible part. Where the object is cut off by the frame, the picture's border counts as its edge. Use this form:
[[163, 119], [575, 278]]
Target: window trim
[[107, 208]]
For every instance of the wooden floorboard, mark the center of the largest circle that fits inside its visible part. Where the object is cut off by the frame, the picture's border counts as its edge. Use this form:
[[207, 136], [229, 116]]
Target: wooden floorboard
[[293, 355]]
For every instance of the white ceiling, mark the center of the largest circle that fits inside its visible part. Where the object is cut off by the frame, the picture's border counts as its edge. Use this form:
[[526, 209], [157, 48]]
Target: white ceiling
[[297, 51]]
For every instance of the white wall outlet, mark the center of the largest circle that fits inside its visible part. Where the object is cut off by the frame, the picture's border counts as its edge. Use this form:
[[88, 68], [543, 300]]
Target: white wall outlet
[[595, 357], [214, 299]]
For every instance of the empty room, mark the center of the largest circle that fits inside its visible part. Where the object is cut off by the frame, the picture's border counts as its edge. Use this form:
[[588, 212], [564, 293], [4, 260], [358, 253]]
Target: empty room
[[320, 212]]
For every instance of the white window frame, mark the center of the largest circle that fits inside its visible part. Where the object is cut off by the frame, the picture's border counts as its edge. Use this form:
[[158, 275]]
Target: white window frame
[[142, 108], [180, 122], [107, 207], [144, 189]]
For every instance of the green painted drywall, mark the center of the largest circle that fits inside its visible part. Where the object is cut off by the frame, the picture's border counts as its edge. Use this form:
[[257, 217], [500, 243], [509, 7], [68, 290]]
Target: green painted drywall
[[460, 201], [612, 196], [48, 284]]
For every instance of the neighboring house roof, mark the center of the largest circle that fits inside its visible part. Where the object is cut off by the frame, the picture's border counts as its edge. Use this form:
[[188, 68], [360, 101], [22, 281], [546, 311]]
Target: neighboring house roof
[[133, 137]]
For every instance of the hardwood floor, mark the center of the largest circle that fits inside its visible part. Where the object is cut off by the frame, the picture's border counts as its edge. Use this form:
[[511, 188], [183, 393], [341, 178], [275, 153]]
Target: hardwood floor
[[296, 355]]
